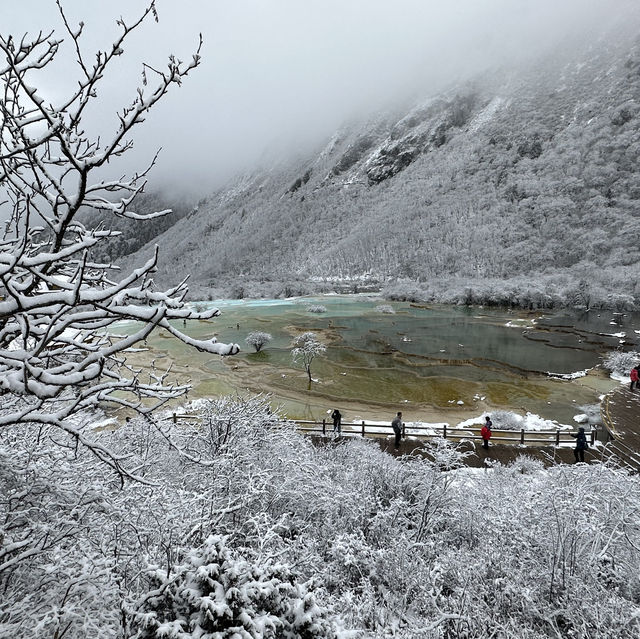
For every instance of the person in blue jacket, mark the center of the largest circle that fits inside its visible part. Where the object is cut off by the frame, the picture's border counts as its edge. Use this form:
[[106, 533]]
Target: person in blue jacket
[[336, 416], [581, 444]]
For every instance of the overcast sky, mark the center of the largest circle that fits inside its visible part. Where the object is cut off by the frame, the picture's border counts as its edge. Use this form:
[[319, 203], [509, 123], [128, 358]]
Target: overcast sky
[[286, 73]]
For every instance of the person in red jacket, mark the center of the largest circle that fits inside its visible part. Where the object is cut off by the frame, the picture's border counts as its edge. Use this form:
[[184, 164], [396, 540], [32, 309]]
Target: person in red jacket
[[634, 377], [485, 433]]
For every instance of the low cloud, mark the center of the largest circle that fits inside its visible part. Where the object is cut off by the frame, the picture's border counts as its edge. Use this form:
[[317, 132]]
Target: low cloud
[[284, 74]]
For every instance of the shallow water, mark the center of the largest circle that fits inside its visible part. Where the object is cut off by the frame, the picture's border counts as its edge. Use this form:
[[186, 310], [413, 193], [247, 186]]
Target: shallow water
[[423, 360]]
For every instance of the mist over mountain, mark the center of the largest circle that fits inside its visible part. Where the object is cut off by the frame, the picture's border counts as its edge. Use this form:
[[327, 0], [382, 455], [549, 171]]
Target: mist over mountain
[[533, 175]]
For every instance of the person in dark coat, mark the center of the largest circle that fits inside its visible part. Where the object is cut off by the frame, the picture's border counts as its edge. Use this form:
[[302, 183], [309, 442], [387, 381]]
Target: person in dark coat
[[336, 416], [485, 432], [581, 444], [635, 377], [396, 424]]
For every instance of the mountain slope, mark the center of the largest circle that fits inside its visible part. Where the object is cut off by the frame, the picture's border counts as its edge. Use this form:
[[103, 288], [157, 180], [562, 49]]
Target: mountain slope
[[510, 176]]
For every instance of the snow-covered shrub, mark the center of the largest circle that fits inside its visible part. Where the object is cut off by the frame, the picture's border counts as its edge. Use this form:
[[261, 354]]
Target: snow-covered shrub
[[54, 578], [445, 454], [218, 593], [506, 420], [590, 414], [316, 308], [411, 546], [385, 308], [525, 465], [226, 428], [620, 362], [258, 339]]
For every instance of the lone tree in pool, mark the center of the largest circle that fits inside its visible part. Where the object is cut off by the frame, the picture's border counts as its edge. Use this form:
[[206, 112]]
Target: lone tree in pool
[[305, 349], [258, 339], [57, 354]]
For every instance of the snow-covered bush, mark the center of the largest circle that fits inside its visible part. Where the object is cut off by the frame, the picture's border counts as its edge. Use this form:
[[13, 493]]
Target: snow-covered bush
[[316, 308], [385, 308], [525, 465], [258, 339], [590, 414], [411, 546], [506, 420], [445, 455], [620, 362], [218, 593], [55, 578]]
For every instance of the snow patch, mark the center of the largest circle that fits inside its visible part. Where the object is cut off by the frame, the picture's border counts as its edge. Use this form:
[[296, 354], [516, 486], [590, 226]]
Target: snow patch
[[620, 377], [520, 323], [575, 375], [487, 114], [530, 422]]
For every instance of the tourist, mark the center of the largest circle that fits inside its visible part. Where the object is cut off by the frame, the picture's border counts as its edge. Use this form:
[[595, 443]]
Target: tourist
[[485, 433], [634, 375], [396, 424], [336, 416], [581, 444]]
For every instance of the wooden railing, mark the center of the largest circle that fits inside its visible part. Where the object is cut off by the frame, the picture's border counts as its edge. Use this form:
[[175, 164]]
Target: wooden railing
[[454, 433], [522, 436], [615, 449]]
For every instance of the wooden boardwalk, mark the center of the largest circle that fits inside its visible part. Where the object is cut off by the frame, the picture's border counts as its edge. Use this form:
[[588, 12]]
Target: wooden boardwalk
[[621, 417], [618, 441], [549, 447], [423, 432]]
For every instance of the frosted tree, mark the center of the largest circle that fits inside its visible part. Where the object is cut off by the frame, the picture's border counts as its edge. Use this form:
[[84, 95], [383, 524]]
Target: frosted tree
[[306, 348], [219, 594], [58, 355], [258, 339]]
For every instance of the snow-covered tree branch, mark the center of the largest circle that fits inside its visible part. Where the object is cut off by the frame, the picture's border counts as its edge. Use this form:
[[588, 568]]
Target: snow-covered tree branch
[[58, 355]]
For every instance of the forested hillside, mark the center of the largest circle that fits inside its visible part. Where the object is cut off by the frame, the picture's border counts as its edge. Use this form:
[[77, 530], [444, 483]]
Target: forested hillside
[[131, 234], [534, 175]]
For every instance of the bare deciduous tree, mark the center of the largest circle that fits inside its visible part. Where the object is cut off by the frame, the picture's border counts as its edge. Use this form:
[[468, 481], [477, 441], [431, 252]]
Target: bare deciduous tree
[[57, 354], [305, 349], [258, 339]]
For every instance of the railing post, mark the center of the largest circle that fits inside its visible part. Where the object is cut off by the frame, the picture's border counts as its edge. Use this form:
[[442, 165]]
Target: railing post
[[324, 426], [593, 436], [444, 431], [522, 436], [363, 427], [404, 432], [557, 438], [175, 418]]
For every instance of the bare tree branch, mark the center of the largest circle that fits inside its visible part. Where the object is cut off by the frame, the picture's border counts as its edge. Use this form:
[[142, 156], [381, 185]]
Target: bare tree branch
[[59, 353]]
